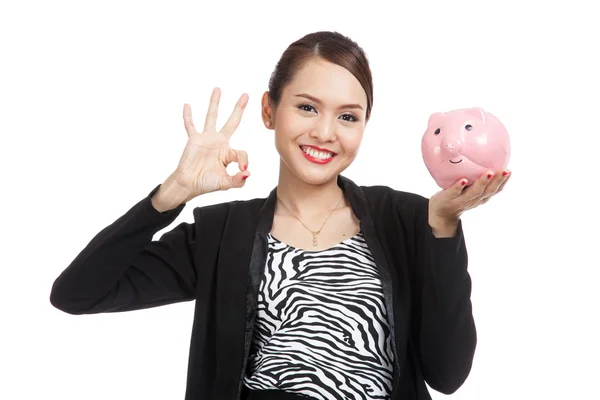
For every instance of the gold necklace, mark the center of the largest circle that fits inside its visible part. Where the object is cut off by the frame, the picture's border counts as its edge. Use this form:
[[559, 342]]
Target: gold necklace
[[314, 233]]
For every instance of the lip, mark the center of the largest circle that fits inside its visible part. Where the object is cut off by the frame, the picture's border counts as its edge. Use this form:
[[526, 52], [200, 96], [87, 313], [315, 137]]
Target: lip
[[316, 160], [456, 162], [317, 148]]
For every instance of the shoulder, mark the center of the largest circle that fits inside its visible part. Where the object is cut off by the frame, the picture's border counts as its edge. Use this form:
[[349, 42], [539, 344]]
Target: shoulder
[[396, 208], [403, 201], [220, 212]]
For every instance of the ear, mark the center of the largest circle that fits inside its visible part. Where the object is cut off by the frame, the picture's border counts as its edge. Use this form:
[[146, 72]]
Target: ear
[[477, 113], [267, 110], [435, 120]]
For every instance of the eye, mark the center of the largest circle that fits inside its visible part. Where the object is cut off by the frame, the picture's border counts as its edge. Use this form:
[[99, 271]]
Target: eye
[[468, 127], [309, 108], [437, 131], [306, 107], [352, 118]]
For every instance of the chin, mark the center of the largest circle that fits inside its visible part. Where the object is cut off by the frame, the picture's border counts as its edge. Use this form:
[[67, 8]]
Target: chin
[[320, 175], [316, 179]]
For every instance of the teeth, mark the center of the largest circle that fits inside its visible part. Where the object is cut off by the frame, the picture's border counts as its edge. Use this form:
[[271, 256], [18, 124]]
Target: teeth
[[321, 155]]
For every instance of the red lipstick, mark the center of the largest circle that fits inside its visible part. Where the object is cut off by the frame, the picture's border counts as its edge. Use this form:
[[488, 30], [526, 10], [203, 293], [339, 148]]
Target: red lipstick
[[318, 148], [317, 160]]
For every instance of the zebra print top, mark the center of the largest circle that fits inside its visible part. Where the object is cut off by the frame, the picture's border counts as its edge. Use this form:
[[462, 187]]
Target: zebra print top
[[321, 328]]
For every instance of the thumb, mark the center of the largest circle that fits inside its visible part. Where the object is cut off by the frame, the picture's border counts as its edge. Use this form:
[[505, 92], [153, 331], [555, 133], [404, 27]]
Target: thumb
[[238, 180]]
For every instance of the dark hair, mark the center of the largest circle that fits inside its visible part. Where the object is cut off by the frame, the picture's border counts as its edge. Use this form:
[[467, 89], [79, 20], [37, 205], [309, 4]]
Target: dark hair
[[330, 46]]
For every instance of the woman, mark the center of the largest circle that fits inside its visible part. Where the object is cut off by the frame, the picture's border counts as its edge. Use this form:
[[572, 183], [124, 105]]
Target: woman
[[324, 289]]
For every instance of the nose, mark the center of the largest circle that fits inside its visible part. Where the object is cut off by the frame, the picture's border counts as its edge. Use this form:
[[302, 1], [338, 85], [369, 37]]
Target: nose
[[324, 130], [452, 146]]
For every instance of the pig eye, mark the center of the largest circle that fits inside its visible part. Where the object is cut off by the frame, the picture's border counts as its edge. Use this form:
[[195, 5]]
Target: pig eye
[[437, 131], [468, 127]]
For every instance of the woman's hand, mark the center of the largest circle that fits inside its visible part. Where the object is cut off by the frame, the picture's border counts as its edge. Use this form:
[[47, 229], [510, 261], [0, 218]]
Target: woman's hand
[[202, 167], [447, 206]]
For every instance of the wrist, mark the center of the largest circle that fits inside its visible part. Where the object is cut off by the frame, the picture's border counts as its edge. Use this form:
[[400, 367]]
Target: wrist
[[443, 226], [170, 195]]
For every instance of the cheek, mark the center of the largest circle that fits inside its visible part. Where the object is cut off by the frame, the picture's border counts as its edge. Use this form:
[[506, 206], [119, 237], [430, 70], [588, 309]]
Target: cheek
[[350, 141], [291, 125], [475, 141], [432, 146]]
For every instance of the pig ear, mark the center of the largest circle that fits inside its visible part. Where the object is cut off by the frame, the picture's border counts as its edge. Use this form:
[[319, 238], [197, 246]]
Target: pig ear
[[435, 120], [476, 112]]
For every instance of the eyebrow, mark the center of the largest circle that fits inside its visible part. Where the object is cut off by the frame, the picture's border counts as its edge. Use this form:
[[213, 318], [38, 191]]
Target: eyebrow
[[308, 96]]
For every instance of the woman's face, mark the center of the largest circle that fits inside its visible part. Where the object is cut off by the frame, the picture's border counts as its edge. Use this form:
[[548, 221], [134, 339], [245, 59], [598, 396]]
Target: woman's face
[[319, 122]]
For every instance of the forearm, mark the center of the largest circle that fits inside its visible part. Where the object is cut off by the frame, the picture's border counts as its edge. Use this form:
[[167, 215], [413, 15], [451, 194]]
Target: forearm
[[102, 266], [447, 330]]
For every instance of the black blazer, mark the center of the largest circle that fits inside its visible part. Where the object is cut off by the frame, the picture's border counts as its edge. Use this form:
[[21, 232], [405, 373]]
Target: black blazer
[[218, 260]]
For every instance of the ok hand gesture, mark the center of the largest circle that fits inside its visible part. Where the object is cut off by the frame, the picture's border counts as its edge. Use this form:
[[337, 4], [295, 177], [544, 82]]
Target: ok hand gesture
[[202, 167]]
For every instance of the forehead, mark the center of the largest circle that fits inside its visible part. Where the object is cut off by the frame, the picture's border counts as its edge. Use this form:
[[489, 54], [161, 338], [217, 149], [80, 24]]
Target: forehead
[[329, 82]]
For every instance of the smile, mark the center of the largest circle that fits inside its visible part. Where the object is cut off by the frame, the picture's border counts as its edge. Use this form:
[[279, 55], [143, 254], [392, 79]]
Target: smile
[[318, 157], [455, 162]]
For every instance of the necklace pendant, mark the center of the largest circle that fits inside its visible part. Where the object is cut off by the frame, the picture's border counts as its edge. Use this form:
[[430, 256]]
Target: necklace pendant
[[314, 239]]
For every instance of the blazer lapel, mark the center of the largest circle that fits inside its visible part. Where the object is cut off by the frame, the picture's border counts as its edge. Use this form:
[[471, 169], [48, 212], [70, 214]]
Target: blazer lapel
[[240, 257]]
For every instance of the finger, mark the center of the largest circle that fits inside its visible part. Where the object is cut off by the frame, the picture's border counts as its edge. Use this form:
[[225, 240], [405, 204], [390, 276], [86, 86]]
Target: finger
[[506, 178], [455, 190], [190, 128], [210, 125], [487, 196], [236, 181], [477, 189], [493, 186], [492, 190], [236, 116], [242, 160], [477, 203], [238, 156]]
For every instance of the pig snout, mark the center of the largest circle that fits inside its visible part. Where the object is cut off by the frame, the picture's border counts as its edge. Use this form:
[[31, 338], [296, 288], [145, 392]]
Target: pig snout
[[453, 145]]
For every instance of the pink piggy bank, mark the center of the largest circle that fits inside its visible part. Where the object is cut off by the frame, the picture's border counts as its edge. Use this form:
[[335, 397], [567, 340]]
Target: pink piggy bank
[[464, 143]]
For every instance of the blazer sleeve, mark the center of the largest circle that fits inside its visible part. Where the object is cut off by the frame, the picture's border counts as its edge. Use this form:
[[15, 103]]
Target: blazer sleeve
[[123, 269], [445, 331]]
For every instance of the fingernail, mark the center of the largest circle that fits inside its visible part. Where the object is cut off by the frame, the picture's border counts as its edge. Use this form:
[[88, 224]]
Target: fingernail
[[489, 176], [245, 177], [504, 173], [464, 183]]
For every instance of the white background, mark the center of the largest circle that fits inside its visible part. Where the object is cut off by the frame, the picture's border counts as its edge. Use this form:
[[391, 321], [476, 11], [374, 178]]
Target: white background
[[91, 100]]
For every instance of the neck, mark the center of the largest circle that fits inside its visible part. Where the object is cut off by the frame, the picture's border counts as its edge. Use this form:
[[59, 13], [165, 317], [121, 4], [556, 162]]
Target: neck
[[306, 200]]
